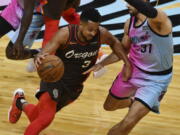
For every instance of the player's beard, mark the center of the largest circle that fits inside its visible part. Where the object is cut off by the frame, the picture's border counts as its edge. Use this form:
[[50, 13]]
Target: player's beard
[[85, 39], [132, 12]]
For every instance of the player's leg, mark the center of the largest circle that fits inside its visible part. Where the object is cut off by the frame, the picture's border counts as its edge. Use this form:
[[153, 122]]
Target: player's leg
[[120, 94], [51, 27], [31, 111], [53, 9], [147, 97], [113, 103], [19, 103], [46, 112], [71, 16], [136, 112], [49, 102], [40, 115], [15, 111]]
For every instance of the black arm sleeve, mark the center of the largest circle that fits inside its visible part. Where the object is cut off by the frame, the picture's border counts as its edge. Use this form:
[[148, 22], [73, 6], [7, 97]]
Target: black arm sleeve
[[144, 7]]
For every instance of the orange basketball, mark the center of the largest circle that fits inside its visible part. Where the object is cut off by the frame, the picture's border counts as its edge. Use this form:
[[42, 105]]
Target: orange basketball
[[51, 69]]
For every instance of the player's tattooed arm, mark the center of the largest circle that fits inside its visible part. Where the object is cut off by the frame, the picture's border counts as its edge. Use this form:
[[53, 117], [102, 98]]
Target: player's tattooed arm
[[114, 43], [112, 58], [107, 38]]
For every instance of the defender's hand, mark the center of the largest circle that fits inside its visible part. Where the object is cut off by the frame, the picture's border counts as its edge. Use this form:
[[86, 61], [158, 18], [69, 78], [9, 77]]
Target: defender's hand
[[127, 72]]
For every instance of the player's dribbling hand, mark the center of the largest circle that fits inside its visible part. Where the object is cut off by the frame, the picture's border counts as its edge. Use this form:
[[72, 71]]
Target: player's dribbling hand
[[38, 58], [127, 71], [94, 68]]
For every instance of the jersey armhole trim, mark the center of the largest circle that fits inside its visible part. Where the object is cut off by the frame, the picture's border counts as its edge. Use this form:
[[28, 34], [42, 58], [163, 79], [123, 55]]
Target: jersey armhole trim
[[156, 32]]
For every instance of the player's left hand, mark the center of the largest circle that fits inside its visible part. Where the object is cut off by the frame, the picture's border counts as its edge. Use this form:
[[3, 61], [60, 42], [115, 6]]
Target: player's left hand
[[127, 72], [95, 68]]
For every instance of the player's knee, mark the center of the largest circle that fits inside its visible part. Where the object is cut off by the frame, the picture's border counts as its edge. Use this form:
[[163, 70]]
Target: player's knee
[[128, 123], [109, 107]]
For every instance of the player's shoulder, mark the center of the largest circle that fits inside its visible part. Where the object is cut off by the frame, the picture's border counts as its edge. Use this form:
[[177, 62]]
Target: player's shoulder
[[128, 21], [64, 30], [161, 16], [62, 34], [127, 25], [103, 30], [161, 11]]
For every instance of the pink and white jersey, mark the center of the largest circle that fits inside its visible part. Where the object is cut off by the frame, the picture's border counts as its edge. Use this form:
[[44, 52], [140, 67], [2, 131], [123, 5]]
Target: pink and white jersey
[[150, 51], [13, 13]]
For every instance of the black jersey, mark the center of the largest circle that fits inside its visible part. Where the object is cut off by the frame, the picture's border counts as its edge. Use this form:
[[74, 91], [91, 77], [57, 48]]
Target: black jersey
[[78, 57]]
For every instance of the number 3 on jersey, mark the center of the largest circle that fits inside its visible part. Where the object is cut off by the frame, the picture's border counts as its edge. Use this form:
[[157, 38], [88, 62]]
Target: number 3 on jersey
[[86, 64]]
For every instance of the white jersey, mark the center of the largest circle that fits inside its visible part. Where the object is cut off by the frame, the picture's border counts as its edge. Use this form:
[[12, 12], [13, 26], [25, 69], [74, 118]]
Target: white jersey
[[150, 51]]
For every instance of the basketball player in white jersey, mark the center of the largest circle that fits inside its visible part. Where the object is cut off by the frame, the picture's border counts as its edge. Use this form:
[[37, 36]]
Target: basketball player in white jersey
[[148, 40]]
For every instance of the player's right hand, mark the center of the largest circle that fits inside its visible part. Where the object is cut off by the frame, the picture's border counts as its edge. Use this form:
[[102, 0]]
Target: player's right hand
[[94, 68], [38, 58]]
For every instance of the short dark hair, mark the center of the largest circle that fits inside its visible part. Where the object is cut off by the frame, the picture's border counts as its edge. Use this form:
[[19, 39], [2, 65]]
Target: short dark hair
[[90, 14]]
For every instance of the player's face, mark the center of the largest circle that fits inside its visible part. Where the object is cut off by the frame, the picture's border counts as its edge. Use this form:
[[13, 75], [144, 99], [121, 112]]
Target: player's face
[[133, 11], [89, 30]]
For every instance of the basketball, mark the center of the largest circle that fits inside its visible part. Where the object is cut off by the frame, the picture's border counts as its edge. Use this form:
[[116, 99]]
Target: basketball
[[51, 69]]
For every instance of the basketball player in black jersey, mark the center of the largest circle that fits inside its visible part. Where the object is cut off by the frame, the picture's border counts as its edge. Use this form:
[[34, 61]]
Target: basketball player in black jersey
[[77, 46]]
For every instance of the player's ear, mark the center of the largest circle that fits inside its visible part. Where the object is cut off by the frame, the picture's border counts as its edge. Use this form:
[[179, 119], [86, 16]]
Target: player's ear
[[80, 23]]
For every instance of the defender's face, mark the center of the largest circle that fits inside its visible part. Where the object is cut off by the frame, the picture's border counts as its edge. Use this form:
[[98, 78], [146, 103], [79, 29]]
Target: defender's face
[[133, 11], [89, 30]]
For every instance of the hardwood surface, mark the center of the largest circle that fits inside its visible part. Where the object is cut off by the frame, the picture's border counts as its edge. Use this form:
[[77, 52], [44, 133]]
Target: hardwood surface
[[85, 116]]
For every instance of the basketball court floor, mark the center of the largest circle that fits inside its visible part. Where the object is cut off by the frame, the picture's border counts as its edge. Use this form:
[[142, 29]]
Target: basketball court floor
[[86, 115]]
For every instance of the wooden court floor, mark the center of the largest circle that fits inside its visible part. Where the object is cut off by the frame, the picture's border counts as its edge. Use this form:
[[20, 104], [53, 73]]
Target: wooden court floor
[[85, 116]]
